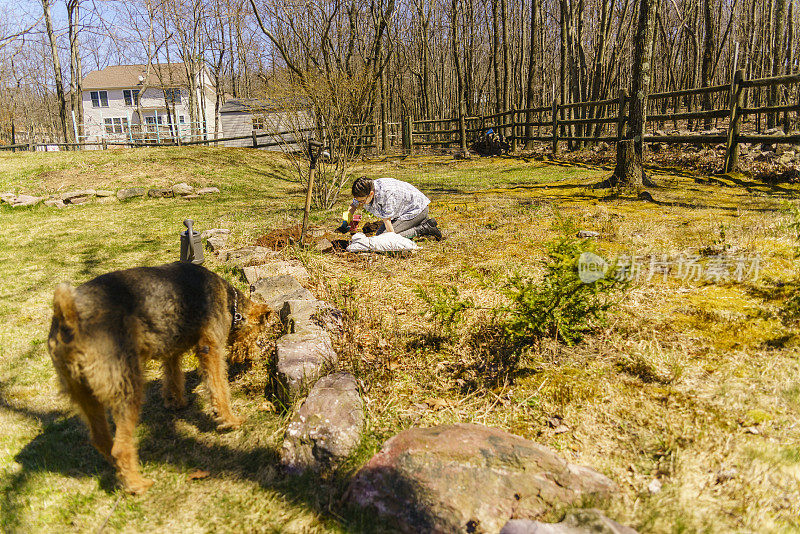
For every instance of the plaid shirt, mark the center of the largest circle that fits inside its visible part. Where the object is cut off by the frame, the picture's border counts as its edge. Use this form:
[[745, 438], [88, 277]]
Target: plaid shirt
[[395, 200]]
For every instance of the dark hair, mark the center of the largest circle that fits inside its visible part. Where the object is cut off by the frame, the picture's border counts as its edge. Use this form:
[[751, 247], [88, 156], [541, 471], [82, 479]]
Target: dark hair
[[362, 186]]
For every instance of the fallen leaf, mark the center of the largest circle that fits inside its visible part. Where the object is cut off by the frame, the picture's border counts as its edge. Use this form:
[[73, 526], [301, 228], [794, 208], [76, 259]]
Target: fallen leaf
[[197, 474]]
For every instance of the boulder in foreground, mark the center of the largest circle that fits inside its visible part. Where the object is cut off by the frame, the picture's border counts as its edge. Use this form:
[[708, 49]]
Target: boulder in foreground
[[469, 478]]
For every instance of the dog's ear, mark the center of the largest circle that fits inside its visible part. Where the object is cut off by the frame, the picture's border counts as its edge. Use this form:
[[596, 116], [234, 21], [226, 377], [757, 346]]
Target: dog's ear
[[64, 306]]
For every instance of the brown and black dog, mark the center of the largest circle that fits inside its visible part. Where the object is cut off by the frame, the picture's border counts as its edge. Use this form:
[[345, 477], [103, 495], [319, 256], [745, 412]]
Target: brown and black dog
[[104, 330]]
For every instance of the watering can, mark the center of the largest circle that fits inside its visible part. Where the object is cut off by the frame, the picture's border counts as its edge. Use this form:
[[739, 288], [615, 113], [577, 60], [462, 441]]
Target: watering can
[[191, 244]]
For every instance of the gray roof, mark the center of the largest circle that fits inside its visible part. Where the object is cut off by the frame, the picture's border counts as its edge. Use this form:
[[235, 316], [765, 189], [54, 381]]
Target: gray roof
[[261, 105]]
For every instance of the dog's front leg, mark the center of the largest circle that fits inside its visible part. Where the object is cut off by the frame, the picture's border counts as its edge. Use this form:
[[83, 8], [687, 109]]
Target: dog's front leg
[[126, 417], [212, 364]]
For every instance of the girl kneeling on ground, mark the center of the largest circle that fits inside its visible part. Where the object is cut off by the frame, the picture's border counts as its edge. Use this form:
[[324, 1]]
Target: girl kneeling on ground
[[403, 207]]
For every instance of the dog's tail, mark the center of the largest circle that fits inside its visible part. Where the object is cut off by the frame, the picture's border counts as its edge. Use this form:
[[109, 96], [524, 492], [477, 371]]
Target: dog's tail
[[64, 312]]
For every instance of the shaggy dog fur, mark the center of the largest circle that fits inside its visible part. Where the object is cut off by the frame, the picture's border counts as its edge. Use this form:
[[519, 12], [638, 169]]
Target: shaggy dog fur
[[103, 331]]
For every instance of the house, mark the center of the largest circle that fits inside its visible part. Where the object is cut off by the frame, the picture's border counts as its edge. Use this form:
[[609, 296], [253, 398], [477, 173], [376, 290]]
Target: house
[[126, 103], [279, 122]]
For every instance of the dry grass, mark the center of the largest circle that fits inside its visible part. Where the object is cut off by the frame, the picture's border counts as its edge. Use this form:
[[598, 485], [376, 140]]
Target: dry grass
[[692, 383]]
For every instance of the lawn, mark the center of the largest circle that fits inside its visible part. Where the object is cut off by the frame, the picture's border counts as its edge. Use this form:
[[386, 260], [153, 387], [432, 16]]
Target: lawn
[[693, 382]]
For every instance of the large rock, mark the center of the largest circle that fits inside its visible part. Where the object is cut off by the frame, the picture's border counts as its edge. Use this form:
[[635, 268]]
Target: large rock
[[326, 428], [160, 193], [589, 521], [215, 232], [468, 478], [78, 197], [131, 192], [207, 190], [8, 198], [182, 189], [22, 201], [103, 193], [308, 316], [248, 256], [300, 360], [254, 272], [275, 290]]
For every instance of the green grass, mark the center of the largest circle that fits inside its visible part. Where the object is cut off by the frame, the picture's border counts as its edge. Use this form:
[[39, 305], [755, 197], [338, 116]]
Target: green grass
[[666, 391]]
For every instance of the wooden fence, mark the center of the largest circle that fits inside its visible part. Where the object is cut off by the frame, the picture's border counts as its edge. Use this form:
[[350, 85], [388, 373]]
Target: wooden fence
[[604, 120], [255, 137]]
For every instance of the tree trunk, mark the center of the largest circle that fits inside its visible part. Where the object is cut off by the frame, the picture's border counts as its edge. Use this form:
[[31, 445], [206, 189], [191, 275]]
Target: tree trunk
[[496, 56], [459, 77], [777, 56], [62, 99], [629, 170], [534, 70], [708, 57], [75, 75]]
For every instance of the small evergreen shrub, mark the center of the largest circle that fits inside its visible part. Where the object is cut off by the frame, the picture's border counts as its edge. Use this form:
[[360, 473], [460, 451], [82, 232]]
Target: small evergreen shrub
[[559, 305]]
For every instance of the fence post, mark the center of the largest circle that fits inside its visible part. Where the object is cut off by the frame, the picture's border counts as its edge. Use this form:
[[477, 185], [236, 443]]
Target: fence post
[[105, 145], [732, 148], [622, 113], [255, 140], [555, 127], [408, 136]]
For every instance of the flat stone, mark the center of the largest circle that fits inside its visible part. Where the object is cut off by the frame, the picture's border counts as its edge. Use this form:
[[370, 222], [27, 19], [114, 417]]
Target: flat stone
[[22, 201], [300, 360], [216, 243], [77, 200], [190, 197], [131, 192], [468, 478], [104, 193], [249, 256], [276, 290], [78, 194], [54, 203], [182, 189], [588, 521], [215, 232], [326, 428], [207, 190], [160, 193], [7, 197], [306, 316], [270, 267]]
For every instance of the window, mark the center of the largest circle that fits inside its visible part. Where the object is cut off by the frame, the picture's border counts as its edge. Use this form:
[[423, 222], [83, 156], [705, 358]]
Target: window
[[116, 125], [182, 119], [172, 96], [99, 99], [131, 97], [259, 122]]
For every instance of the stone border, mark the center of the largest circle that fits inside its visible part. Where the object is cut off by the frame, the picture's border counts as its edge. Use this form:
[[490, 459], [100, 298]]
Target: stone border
[[327, 425], [103, 196]]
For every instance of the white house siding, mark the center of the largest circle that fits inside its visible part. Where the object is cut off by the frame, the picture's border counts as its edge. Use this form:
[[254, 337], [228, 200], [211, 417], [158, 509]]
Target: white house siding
[[152, 102], [236, 124], [239, 123]]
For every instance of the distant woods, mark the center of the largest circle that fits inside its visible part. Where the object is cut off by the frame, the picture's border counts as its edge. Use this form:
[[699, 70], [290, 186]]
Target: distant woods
[[394, 58]]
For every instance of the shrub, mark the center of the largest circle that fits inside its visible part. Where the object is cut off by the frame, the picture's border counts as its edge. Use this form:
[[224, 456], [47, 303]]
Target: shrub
[[559, 305]]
